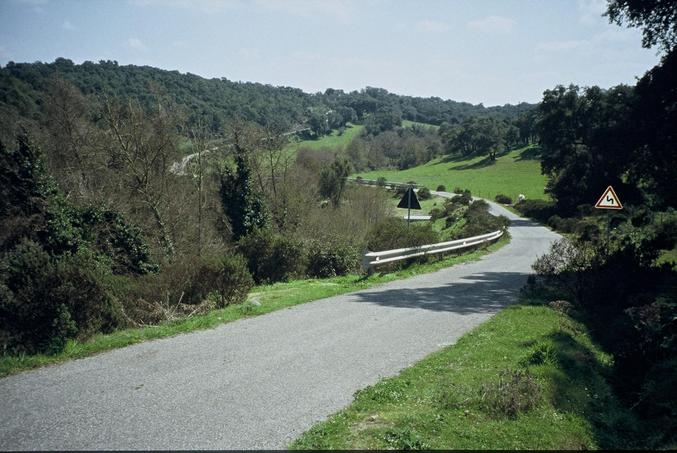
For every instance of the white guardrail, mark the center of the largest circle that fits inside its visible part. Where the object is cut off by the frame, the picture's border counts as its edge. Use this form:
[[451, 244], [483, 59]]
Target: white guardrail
[[375, 258]]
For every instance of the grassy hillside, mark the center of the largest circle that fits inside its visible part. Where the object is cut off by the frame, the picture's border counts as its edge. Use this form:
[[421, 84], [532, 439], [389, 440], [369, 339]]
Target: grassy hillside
[[332, 140], [513, 173], [530, 378]]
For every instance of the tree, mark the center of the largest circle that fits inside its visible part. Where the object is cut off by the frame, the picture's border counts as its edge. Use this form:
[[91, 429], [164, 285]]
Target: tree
[[242, 205], [657, 18], [333, 180], [584, 138], [654, 141], [142, 146]]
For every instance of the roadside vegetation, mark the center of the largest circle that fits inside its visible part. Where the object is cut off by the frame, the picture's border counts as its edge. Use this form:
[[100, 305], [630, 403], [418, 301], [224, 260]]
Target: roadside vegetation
[[530, 378], [261, 299]]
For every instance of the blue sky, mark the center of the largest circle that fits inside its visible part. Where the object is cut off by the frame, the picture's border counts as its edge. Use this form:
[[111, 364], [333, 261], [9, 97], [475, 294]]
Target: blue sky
[[494, 52]]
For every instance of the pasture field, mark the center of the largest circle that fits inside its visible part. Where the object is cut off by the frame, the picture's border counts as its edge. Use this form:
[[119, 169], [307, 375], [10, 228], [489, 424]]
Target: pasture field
[[332, 140], [516, 172]]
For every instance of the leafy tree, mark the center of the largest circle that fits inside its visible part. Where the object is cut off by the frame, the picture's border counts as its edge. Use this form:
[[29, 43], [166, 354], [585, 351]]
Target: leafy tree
[[584, 140], [242, 205], [654, 141], [657, 18], [333, 180]]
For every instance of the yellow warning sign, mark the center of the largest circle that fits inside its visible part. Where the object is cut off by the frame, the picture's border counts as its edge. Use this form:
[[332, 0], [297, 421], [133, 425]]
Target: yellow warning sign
[[609, 200]]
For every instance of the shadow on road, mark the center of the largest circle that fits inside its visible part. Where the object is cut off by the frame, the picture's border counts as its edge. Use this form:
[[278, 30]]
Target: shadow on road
[[477, 293]]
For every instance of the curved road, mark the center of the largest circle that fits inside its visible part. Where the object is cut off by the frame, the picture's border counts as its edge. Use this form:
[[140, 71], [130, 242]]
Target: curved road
[[260, 382]]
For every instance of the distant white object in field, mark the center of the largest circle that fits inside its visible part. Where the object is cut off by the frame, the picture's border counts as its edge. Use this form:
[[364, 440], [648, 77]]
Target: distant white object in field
[[521, 197]]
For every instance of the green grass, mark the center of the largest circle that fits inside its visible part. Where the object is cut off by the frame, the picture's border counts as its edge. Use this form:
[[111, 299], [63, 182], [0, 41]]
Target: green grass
[[332, 140], [511, 174], [271, 298], [445, 400]]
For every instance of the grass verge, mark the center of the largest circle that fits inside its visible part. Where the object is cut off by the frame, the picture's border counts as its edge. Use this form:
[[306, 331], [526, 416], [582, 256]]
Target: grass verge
[[529, 378], [269, 297]]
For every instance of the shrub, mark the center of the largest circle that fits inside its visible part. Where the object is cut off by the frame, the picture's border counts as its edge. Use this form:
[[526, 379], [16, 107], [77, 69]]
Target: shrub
[[464, 198], [381, 181], [394, 233], [272, 257], [436, 213], [503, 199], [424, 193], [441, 188], [235, 281], [458, 190], [586, 230], [516, 391], [479, 221], [45, 301], [327, 259], [540, 210]]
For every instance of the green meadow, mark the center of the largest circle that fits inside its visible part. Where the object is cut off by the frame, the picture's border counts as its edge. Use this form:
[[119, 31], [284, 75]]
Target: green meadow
[[516, 172]]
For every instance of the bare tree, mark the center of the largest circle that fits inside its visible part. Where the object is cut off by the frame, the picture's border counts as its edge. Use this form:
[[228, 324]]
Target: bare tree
[[142, 146]]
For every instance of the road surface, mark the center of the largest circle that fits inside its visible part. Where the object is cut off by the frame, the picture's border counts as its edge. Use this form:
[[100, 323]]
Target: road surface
[[260, 382]]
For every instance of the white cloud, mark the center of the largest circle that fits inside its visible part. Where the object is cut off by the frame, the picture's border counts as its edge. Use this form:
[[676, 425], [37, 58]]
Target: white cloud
[[433, 26], [492, 24], [137, 44], [67, 25]]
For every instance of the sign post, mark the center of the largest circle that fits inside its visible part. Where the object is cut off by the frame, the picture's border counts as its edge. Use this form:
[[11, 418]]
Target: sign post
[[609, 200], [409, 201]]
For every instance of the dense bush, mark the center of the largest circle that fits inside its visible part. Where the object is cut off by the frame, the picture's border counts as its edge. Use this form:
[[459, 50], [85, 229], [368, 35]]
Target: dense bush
[[108, 233], [393, 233], [503, 199], [234, 280], [631, 305], [381, 181], [480, 221], [272, 257], [441, 188], [45, 301], [464, 198], [540, 210], [436, 213], [329, 259], [424, 193]]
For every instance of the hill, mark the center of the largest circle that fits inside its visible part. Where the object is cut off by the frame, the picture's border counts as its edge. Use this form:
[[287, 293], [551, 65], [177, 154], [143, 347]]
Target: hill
[[25, 88]]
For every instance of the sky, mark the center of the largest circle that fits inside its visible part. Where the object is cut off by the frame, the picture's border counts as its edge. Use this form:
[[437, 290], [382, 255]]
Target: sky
[[478, 51]]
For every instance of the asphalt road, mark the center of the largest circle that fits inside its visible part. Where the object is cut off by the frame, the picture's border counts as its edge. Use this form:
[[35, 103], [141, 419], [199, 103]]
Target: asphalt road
[[260, 382]]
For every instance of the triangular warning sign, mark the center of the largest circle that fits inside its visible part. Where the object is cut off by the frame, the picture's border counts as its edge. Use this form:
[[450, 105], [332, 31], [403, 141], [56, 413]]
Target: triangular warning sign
[[609, 200], [409, 200]]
